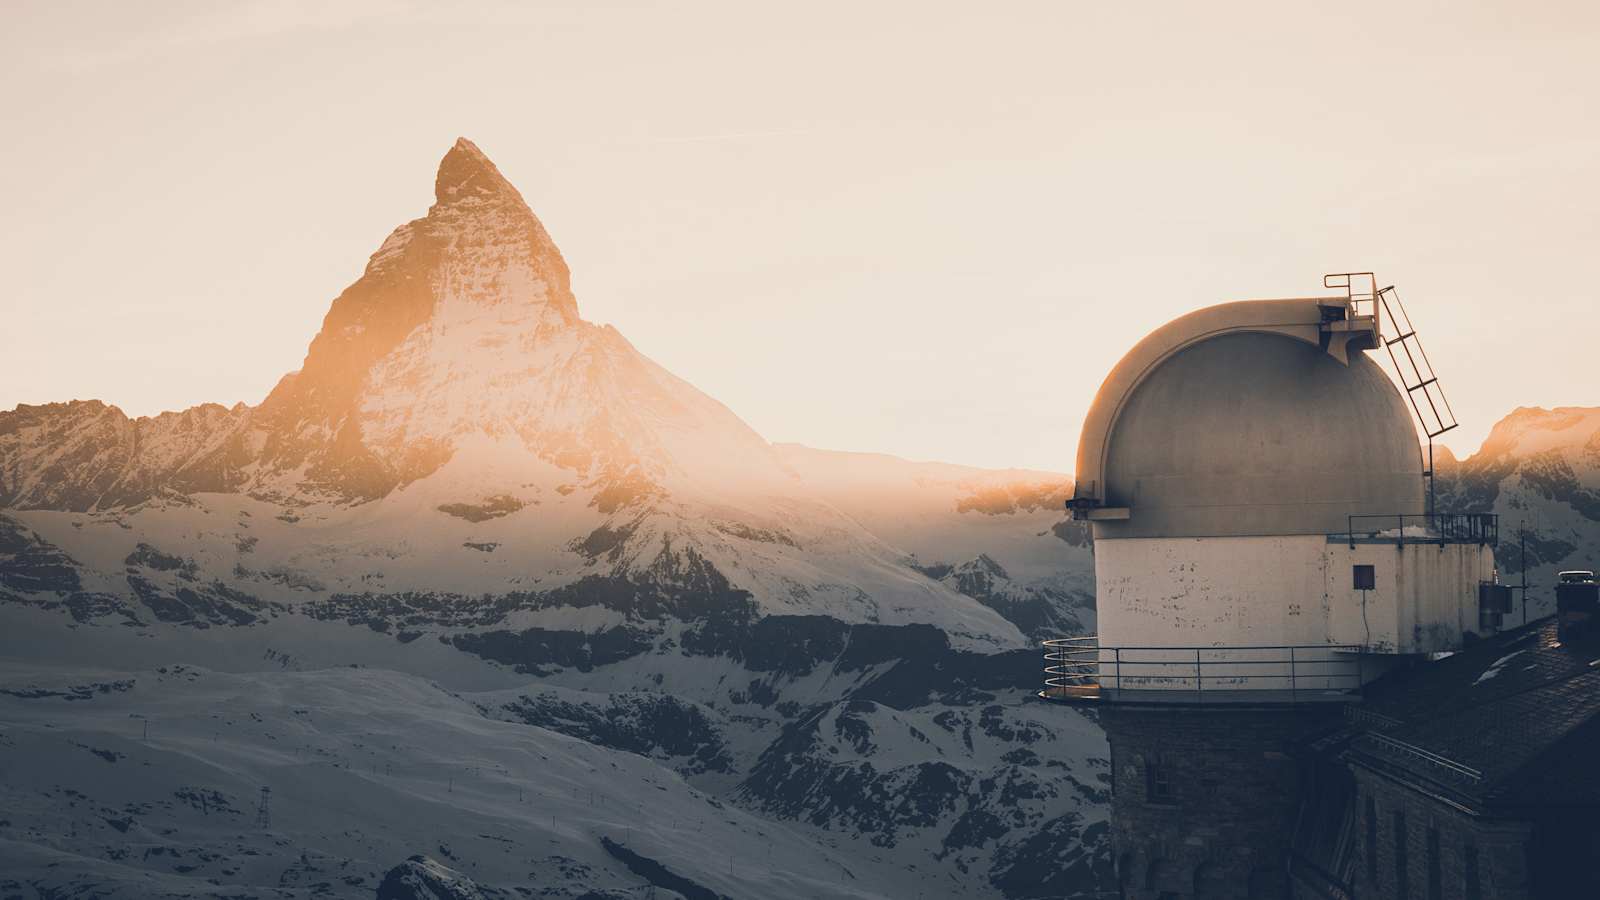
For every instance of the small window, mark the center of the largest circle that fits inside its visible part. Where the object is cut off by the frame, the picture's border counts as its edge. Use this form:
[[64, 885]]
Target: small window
[[1372, 841], [1469, 872], [1402, 872], [1366, 578], [1158, 781], [1435, 875]]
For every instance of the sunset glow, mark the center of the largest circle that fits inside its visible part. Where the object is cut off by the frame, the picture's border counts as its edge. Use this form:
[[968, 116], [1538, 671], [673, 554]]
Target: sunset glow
[[920, 230]]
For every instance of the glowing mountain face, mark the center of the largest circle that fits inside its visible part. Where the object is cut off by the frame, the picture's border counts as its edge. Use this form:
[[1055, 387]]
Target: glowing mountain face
[[463, 332], [457, 428]]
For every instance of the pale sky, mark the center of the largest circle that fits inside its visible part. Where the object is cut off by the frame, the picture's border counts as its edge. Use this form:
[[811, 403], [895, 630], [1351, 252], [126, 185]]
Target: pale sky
[[926, 229]]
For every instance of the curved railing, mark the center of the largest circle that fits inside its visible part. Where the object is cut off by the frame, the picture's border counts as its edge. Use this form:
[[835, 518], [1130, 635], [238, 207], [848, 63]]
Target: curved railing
[[1082, 669]]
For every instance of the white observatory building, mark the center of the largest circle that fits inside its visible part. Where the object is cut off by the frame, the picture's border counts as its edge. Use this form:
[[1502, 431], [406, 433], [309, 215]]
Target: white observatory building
[[1258, 493], [1265, 546]]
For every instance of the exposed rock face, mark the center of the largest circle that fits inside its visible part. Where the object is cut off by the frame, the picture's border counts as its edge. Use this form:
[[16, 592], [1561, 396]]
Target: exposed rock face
[[425, 878], [86, 455], [1040, 611], [465, 288], [462, 326], [28, 563]]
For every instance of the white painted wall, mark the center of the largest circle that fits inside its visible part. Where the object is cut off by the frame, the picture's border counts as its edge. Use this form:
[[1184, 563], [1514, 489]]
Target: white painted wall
[[1233, 592]]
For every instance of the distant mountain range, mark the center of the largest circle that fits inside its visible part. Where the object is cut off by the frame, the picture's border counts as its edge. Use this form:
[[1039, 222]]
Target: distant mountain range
[[1539, 470]]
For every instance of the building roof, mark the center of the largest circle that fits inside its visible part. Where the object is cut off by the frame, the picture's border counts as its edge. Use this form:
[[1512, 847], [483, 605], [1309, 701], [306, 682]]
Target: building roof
[[1513, 720]]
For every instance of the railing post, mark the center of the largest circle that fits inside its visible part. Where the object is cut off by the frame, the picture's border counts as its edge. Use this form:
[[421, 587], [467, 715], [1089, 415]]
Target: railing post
[[1198, 680], [1293, 696]]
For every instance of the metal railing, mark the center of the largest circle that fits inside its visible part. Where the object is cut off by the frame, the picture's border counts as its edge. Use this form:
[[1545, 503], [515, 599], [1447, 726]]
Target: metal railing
[[1082, 669], [1434, 760], [1438, 528], [1361, 293]]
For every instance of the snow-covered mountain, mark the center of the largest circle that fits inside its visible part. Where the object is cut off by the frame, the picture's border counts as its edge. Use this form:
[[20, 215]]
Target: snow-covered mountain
[[458, 428], [476, 532], [1539, 470]]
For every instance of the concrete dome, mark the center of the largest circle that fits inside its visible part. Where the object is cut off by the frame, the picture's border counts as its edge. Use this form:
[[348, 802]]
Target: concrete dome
[[1252, 433]]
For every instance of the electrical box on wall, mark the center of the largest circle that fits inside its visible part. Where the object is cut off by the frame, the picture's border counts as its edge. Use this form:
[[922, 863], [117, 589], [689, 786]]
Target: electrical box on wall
[[1494, 598], [1366, 578]]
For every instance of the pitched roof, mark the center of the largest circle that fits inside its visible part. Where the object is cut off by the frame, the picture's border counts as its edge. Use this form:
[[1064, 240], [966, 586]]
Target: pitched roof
[[1513, 720]]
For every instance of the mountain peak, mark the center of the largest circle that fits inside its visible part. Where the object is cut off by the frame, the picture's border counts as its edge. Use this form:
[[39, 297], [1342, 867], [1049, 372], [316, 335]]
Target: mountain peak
[[466, 172]]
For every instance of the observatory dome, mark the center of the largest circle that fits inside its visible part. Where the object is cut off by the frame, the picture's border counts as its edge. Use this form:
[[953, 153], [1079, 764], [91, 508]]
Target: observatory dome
[[1255, 433]]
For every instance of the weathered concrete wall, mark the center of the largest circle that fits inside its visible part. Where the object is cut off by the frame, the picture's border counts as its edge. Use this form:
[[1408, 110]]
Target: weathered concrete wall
[[1437, 576], [1212, 591], [1283, 590]]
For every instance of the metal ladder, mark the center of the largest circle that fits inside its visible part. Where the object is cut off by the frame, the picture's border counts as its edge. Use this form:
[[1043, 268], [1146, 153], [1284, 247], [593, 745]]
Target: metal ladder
[[1416, 373], [1364, 297]]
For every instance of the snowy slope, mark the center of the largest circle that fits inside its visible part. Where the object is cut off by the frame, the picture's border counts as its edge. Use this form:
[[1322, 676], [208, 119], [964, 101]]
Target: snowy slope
[[131, 782], [999, 536], [1539, 469], [365, 768]]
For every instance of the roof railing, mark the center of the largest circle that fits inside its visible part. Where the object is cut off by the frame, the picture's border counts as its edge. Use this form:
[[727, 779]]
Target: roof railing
[[1435, 528], [1081, 668], [1361, 293], [1434, 760]]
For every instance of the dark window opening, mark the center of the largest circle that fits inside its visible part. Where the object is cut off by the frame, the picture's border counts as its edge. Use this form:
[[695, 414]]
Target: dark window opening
[[1158, 781], [1366, 578], [1372, 841], [1435, 876], [1469, 872], [1402, 875]]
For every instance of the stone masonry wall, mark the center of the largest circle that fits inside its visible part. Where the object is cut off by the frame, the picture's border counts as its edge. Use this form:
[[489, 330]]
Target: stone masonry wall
[[1204, 799], [1501, 847]]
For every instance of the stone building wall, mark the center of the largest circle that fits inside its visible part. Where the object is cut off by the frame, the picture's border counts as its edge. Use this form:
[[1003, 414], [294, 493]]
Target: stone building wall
[[1204, 798], [1500, 847]]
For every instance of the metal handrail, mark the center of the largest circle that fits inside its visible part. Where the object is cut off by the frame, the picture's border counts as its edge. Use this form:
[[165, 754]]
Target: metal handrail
[[1427, 756], [1359, 287], [1077, 667], [1426, 528]]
